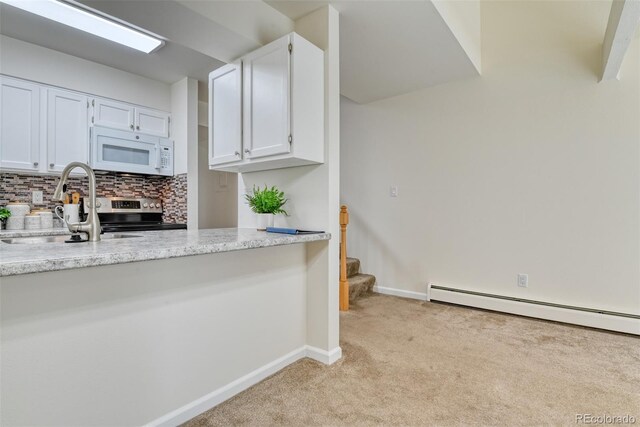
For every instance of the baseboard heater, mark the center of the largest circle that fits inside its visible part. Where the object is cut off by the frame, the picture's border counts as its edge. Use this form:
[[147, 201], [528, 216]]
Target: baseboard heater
[[603, 319]]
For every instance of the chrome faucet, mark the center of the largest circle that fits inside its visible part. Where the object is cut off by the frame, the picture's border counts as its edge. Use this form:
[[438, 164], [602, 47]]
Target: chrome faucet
[[92, 225]]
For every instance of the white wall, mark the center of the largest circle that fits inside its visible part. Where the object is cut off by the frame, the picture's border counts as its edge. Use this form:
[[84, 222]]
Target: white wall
[[184, 132], [126, 344], [313, 191], [217, 191], [532, 168], [32, 62]]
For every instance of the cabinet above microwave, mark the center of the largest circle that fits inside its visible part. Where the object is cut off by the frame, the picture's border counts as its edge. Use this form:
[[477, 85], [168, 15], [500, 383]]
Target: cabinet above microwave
[[122, 116]]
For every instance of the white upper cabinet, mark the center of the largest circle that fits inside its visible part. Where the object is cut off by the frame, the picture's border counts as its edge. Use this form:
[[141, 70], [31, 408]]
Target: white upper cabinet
[[119, 115], [281, 108], [112, 114], [44, 128], [67, 129], [225, 112], [19, 124], [152, 122], [266, 100]]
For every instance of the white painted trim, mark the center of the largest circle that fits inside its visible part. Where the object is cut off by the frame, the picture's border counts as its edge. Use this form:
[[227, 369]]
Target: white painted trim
[[400, 293], [216, 397], [558, 314], [623, 23], [323, 356]]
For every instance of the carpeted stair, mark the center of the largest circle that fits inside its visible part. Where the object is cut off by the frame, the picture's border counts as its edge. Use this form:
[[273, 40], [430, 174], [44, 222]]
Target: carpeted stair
[[359, 284]]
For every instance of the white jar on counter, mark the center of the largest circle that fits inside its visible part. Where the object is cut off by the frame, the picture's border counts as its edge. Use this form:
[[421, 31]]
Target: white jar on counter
[[46, 218], [15, 223], [18, 208], [32, 222]]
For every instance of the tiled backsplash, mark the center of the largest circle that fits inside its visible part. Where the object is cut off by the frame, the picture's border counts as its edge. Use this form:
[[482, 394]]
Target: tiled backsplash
[[172, 190]]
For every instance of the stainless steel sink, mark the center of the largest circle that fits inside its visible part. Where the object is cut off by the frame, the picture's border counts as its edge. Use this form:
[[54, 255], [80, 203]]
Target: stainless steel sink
[[60, 239]]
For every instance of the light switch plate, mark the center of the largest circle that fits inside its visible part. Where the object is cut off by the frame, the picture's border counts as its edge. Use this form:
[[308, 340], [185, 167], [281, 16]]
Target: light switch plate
[[393, 191]]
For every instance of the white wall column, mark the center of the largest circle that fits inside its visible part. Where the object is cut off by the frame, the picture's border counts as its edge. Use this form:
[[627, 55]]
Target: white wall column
[[184, 132], [313, 192]]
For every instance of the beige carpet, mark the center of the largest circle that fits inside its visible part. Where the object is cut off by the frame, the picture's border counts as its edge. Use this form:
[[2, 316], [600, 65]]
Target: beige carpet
[[412, 363]]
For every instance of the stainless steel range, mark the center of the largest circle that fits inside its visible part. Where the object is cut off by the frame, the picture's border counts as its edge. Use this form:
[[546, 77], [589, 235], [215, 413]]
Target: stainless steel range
[[119, 214]]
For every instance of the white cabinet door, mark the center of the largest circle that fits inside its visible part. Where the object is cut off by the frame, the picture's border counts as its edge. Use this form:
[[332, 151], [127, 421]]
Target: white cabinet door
[[113, 114], [225, 114], [19, 124], [67, 129], [152, 122], [266, 100]]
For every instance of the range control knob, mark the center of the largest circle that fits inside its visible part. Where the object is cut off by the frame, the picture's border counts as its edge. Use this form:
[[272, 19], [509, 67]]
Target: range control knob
[[158, 205], [146, 205]]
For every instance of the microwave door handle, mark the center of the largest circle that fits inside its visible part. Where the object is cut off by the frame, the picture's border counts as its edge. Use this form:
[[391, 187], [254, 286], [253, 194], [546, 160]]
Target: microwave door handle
[[157, 156]]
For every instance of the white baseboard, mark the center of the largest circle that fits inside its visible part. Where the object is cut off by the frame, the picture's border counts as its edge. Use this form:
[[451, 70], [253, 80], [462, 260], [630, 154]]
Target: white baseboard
[[559, 314], [564, 315], [323, 356], [216, 397], [400, 293]]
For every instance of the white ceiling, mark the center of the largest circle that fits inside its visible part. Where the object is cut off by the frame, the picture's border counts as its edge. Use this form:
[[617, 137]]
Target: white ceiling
[[387, 48], [390, 47], [169, 64], [296, 9]]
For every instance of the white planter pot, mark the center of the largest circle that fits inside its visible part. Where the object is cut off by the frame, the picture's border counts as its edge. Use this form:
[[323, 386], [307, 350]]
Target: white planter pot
[[264, 221]]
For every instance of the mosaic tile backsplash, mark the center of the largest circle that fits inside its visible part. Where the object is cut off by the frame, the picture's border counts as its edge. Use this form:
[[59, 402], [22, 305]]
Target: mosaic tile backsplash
[[172, 190]]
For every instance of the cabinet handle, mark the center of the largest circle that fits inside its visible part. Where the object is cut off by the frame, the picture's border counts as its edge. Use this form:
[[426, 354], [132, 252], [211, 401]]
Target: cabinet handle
[[137, 127], [131, 127], [35, 164], [247, 151], [237, 154], [51, 165]]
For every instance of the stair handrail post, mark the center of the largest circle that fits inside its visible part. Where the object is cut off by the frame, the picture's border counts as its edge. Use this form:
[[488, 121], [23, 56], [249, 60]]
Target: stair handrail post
[[344, 282]]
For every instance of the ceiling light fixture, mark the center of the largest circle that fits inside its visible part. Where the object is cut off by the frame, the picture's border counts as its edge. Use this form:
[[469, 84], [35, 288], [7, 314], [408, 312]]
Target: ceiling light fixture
[[80, 19]]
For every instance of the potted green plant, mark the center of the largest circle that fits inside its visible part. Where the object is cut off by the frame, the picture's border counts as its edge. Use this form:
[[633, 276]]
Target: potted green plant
[[266, 203], [4, 215]]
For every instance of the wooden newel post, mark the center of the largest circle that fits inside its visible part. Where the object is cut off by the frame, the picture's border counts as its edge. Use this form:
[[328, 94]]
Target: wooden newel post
[[344, 283]]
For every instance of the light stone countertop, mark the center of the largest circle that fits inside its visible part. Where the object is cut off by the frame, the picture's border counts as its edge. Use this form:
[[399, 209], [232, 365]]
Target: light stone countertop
[[11, 234], [52, 256]]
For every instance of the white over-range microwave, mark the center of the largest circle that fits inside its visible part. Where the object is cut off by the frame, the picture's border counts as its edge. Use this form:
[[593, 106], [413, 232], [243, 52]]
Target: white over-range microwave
[[123, 151]]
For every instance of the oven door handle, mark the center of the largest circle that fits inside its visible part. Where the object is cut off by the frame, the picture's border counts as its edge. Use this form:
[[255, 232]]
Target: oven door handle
[[157, 156]]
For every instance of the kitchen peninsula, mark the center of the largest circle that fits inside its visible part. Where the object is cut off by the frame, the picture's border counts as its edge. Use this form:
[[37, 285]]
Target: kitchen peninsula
[[126, 330]]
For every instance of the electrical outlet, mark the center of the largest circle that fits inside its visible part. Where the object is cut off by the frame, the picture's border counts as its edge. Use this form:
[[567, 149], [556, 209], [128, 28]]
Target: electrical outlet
[[523, 280], [393, 191], [36, 197]]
